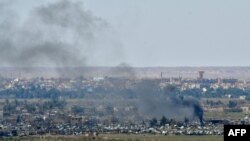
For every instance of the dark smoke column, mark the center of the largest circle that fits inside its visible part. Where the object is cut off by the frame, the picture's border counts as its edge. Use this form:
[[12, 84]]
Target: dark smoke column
[[198, 111]]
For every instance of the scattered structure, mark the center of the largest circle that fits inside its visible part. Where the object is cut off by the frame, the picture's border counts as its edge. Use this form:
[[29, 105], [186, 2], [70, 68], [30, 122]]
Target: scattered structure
[[201, 75]]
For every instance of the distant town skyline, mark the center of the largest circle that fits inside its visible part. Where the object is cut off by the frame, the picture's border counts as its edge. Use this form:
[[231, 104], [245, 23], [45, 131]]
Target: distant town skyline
[[163, 32]]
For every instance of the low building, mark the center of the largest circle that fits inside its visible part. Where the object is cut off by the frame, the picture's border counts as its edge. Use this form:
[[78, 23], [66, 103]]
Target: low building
[[245, 109]]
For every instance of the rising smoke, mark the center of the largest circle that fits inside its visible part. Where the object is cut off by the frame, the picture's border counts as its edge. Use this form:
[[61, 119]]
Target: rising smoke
[[64, 34], [61, 34], [123, 70], [157, 102]]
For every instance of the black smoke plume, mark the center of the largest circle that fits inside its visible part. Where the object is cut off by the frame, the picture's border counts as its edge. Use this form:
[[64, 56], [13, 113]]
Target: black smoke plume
[[154, 101], [197, 109]]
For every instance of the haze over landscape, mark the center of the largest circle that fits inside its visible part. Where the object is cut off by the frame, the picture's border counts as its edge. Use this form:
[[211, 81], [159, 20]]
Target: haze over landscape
[[141, 33], [123, 69]]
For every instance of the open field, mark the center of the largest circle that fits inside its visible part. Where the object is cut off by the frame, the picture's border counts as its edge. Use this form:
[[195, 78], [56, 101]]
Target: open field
[[160, 137], [120, 137], [224, 115]]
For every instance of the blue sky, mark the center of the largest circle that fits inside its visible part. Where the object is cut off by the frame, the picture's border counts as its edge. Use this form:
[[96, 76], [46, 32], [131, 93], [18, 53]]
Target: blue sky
[[173, 32]]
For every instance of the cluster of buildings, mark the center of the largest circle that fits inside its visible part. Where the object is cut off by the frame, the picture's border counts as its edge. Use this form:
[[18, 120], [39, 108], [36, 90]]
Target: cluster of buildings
[[25, 120], [28, 124], [76, 83]]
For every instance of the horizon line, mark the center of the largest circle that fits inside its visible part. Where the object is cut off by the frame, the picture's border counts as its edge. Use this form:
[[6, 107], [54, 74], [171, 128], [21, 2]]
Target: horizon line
[[97, 66]]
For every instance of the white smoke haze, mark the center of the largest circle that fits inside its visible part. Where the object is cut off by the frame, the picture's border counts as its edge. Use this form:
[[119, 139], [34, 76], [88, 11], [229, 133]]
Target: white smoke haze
[[123, 70], [59, 34]]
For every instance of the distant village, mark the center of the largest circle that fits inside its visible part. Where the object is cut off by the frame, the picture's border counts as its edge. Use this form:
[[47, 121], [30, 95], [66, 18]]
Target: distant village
[[90, 106]]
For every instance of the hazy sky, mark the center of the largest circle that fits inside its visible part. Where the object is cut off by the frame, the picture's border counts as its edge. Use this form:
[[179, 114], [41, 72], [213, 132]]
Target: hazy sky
[[173, 32]]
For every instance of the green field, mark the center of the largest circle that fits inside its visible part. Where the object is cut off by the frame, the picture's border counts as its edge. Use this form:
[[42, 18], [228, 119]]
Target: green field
[[120, 137], [224, 115], [148, 137]]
